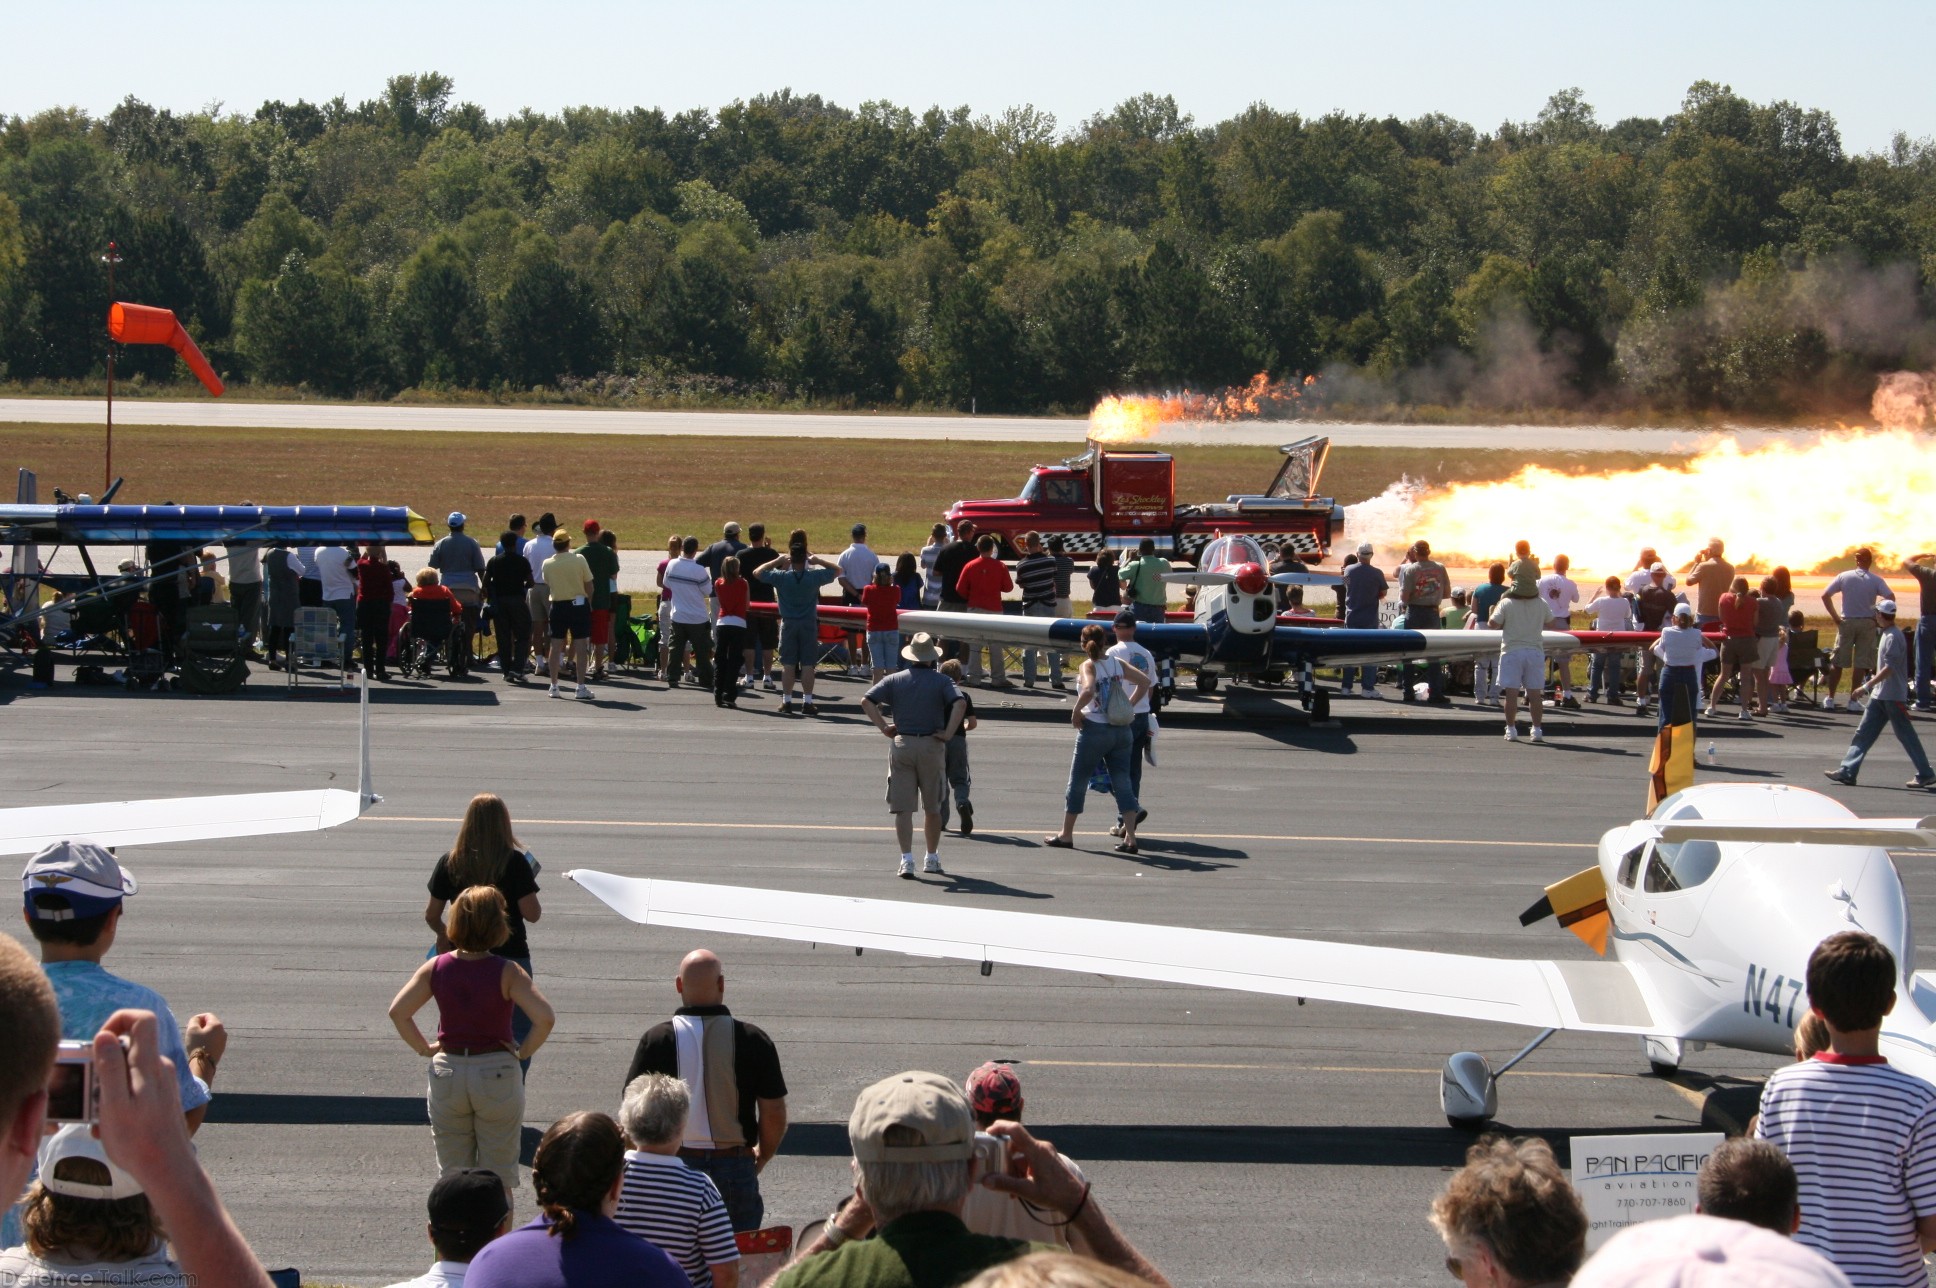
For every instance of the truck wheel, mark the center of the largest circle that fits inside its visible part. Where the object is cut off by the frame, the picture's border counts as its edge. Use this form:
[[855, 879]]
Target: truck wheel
[[1321, 706]]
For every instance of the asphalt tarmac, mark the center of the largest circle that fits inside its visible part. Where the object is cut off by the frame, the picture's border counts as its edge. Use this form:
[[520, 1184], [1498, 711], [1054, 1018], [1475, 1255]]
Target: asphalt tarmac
[[886, 425], [1238, 1139]]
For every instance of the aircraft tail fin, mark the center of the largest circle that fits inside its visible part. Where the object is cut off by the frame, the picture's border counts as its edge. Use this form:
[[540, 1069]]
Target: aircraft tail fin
[[1671, 768], [1580, 904]]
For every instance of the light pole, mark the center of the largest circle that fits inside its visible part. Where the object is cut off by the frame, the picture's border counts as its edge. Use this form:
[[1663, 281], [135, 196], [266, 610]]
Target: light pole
[[112, 258]]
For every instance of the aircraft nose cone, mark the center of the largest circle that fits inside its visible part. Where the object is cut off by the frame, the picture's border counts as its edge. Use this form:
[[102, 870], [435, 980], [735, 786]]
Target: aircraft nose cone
[[1252, 580]]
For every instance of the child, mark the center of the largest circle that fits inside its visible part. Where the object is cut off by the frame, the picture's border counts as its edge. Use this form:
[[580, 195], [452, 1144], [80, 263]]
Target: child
[[908, 578], [1612, 611], [1780, 677], [882, 600], [1523, 572], [955, 755], [734, 595]]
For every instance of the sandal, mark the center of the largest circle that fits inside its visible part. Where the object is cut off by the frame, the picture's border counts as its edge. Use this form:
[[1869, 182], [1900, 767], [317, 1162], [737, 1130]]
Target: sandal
[[1128, 847], [1057, 843]]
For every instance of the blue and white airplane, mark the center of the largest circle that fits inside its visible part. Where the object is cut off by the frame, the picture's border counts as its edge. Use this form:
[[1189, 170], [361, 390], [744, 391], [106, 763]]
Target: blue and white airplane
[[1235, 629]]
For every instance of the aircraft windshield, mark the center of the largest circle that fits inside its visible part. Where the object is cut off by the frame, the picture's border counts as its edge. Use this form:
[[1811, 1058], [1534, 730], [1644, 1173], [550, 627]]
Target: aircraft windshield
[[1227, 552], [1684, 864]]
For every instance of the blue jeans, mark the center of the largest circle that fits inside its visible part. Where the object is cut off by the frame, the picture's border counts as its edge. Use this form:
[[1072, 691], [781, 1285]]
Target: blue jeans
[[960, 781], [884, 650], [1149, 612], [1604, 672], [1366, 675], [1139, 741], [1101, 743], [739, 1184], [1925, 659], [1682, 679], [1422, 618], [1896, 715], [520, 1022]]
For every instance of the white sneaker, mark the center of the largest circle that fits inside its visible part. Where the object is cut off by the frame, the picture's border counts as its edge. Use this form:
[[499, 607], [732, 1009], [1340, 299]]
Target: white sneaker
[[1539, 735], [1781, 708], [907, 867], [1512, 733], [554, 690], [583, 694], [1854, 705], [932, 866], [1744, 716]]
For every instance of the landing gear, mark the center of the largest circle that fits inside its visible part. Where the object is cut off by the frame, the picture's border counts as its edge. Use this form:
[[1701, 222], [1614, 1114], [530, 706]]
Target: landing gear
[[1206, 682], [1664, 1055], [1469, 1086]]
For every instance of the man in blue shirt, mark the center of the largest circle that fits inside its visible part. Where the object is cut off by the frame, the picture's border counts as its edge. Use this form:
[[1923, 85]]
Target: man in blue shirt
[[1364, 588], [796, 578], [927, 709], [1888, 696]]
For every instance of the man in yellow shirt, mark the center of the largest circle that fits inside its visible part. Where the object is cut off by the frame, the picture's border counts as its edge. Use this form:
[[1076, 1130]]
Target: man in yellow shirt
[[568, 578]]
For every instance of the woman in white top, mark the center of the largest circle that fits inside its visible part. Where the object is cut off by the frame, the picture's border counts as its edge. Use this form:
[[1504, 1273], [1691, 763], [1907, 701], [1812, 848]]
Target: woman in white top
[[1108, 687]]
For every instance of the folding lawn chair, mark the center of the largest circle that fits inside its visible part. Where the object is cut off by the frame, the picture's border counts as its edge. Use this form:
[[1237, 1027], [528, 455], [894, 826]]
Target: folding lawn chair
[[317, 639]]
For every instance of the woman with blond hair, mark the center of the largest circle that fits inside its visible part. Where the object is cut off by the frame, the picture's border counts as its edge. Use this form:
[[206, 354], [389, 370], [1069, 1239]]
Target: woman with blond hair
[[476, 1094], [488, 853]]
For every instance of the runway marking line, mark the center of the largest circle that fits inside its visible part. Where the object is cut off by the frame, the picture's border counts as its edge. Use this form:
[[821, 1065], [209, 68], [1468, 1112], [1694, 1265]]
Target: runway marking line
[[1312, 1068], [673, 825]]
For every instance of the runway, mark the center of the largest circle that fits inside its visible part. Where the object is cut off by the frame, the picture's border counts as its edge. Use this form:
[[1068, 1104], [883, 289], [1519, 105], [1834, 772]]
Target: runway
[[716, 424], [1239, 1140]]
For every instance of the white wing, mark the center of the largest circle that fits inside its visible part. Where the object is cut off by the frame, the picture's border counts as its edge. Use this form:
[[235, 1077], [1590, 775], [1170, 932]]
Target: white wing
[[1891, 833], [1410, 645], [29, 829], [1001, 628], [1600, 997]]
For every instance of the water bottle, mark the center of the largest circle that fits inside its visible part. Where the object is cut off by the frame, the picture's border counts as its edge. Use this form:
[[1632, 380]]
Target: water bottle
[[1710, 753]]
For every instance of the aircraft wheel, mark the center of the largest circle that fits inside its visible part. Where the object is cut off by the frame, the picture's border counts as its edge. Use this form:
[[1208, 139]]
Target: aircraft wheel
[[1472, 1125], [1662, 1070], [1321, 705], [1206, 683]]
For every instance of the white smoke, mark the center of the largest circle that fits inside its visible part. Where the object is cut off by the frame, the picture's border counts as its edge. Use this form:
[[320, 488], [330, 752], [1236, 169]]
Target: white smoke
[[1384, 520]]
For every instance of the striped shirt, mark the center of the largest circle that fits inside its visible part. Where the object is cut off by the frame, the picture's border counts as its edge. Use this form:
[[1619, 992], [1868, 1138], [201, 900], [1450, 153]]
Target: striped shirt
[[678, 1210], [1862, 1137], [1035, 575]]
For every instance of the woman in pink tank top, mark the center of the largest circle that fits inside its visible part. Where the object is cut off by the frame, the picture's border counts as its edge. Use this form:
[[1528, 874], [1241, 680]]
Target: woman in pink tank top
[[476, 1093]]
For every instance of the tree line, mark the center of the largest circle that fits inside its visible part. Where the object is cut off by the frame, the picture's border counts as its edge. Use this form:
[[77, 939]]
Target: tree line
[[786, 250]]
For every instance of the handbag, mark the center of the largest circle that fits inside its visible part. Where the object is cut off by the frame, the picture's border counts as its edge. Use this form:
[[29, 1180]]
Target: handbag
[[1117, 709]]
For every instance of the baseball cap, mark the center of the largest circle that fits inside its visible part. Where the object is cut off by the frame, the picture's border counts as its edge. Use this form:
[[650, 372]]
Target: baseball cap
[[471, 1199], [858, 530], [1458, 592], [1684, 610], [591, 525], [994, 1089], [456, 519], [1887, 607], [1126, 617], [926, 1103], [731, 529], [127, 565], [1657, 567], [1364, 550], [76, 1140], [1699, 1251], [83, 873]]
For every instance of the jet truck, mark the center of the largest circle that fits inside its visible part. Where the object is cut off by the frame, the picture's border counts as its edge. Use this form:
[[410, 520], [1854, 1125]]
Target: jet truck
[[1112, 497]]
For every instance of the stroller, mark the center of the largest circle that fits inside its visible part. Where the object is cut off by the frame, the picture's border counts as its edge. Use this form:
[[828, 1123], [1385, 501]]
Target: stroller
[[426, 637]]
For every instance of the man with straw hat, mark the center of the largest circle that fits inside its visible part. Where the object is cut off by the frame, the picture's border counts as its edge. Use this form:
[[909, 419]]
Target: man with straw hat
[[925, 709]]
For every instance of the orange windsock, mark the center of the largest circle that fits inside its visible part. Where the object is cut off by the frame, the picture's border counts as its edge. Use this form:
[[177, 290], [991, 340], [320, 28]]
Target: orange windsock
[[145, 324]]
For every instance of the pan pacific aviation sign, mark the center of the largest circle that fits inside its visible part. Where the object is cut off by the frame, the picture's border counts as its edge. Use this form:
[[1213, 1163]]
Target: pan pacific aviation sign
[[1624, 1180]]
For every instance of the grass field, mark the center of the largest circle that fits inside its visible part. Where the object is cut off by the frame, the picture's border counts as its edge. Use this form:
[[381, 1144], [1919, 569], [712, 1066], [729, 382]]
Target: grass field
[[645, 488]]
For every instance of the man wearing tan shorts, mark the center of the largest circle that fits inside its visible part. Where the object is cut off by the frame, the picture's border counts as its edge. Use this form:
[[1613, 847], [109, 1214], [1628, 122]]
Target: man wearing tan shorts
[[927, 709]]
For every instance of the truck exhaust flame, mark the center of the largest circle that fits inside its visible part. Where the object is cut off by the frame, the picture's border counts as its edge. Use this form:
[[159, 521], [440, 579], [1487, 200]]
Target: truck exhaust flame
[[1801, 505], [1132, 418]]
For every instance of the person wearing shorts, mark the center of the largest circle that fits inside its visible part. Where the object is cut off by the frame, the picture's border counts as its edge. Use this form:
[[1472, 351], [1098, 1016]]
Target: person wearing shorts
[[1521, 620], [538, 599], [569, 579], [1856, 634], [928, 710], [796, 582], [603, 561]]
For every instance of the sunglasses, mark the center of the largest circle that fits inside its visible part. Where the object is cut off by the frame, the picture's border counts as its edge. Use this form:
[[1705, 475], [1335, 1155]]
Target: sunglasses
[[1456, 1268]]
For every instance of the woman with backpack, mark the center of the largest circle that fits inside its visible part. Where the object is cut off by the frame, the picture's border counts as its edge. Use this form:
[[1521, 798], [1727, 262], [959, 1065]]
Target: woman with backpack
[[488, 853], [1104, 713]]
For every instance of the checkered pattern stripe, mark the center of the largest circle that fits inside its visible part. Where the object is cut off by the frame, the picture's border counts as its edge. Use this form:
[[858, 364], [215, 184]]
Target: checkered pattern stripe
[[1079, 544]]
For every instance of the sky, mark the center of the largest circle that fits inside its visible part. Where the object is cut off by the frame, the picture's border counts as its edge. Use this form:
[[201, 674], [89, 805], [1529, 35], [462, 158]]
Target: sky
[[1484, 63]]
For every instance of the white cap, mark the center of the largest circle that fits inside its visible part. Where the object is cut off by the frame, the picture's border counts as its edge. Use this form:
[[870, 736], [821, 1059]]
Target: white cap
[[1705, 1252], [1657, 567], [76, 1140], [1683, 610], [1887, 607], [1364, 550]]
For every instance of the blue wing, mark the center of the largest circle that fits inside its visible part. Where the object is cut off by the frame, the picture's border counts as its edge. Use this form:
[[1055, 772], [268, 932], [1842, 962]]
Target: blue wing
[[1176, 641]]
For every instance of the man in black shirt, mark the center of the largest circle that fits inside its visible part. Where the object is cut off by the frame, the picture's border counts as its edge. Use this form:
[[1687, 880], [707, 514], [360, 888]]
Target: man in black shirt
[[507, 580], [1653, 604], [762, 629], [955, 556], [732, 1071]]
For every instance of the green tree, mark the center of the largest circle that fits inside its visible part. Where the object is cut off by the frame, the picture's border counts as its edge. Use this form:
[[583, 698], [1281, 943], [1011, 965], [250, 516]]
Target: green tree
[[546, 324], [439, 323], [976, 349]]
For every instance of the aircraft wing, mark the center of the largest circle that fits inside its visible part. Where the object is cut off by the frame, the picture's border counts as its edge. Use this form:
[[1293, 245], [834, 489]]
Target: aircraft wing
[[1177, 640], [29, 829], [1348, 646], [1627, 641], [1890, 833], [1590, 996]]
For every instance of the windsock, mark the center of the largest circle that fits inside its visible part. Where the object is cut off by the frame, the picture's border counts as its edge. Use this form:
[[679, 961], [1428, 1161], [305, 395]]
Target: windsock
[[1671, 768], [145, 324]]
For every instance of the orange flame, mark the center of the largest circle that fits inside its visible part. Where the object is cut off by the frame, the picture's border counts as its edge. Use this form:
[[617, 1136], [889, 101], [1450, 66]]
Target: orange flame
[[1799, 504], [1133, 417]]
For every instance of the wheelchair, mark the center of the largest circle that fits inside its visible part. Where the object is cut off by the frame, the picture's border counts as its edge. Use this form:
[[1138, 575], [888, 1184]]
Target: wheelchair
[[427, 636]]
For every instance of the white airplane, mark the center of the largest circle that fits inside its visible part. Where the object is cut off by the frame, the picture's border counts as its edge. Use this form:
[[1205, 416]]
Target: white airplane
[[1233, 631], [1710, 906], [29, 829]]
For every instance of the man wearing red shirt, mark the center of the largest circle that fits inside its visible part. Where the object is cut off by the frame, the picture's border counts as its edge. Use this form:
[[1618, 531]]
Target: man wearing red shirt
[[373, 599], [983, 583]]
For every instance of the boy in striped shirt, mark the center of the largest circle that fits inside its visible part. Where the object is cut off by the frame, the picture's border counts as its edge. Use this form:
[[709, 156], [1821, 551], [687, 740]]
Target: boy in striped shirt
[[1862, 1135], [670, 1205]]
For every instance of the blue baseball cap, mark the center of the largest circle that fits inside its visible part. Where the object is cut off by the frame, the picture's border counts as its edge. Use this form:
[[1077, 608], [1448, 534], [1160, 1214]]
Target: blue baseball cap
[[456, 519], [1125, 618], [84, 874]]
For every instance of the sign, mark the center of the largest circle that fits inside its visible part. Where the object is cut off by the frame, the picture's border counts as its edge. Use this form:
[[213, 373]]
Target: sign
[[1624, 1180]]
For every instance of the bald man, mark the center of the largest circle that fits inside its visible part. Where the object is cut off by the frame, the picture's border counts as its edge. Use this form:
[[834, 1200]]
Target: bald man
[[732, 1071]]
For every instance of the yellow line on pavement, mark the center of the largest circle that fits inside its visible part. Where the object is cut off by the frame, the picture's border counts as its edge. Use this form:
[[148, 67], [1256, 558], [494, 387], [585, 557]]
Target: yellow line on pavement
[[674, 825]]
